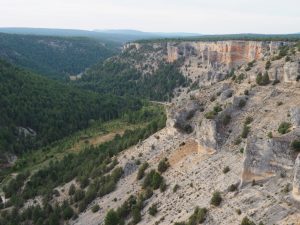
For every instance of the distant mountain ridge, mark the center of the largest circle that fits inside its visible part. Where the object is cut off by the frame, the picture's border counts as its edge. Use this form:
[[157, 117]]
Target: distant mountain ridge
[[115, 35], [54, 56]]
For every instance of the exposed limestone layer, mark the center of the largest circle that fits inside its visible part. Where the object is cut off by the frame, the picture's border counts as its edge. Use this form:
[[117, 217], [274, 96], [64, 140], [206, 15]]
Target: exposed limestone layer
[[229, 53], [216, 53], [210, 62], [266, 157], [296, 183]]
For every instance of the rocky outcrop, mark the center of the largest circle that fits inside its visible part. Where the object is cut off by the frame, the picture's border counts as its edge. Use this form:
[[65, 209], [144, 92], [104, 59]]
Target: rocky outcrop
[[207, 135], [266, 157], [291, 71], [296, 182], [179, 118], [216, 53], [295, 116]]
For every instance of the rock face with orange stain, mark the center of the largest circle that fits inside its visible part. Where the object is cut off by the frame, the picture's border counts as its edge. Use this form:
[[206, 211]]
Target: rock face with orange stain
[[229, 53]]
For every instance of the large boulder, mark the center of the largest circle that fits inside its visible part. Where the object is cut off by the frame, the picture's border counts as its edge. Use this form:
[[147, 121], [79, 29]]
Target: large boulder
[[266, 157], [180, 118], [207, 134]]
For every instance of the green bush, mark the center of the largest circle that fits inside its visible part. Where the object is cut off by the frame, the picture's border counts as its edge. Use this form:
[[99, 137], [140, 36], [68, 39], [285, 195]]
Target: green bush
[[216, 198], [153, 210], [232, 188], [263, 79], [153, 179], [175, 188], [141, 171], [296, 145], [95, 208], [68, 213], [198, 216], [268, 65], [226, 169], [163, 165], [248, 120], [72, 189], [210, 115], [246, 221], [270, 135], [112, 218], [245, 132], [284, 127]]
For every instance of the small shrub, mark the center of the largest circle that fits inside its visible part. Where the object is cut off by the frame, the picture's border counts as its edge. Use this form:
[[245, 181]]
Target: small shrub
[[263, 79], [296, 145], [268, 65], [240, 78], [246, 221], [141, 171], [242, 103], [198, 216], [175, 188], [226, 169], [216, 199], [153, 210], [217, 108], [163, 165], [237, 141], [153, 180], [248, 120], [270, 135], [284, 127], [246, 92], [163, 186], [245, 132], [232, 188], [210, 115], [72, 189], [279, 103], [95, 208]]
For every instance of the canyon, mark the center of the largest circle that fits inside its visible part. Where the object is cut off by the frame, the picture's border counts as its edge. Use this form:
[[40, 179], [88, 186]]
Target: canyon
[[224, 119]]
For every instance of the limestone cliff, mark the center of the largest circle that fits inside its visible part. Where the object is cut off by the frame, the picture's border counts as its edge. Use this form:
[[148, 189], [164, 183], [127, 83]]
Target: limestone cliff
[[208, 62]]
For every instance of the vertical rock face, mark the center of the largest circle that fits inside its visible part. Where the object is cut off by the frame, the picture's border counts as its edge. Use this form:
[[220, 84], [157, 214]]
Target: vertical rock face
[[296, 183], [295, 116], [264, 158], [228, 53], [207, 135], [291, 71]]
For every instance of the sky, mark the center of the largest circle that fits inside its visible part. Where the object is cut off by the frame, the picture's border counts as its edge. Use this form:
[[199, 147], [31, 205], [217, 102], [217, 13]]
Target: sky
[[194, 16]]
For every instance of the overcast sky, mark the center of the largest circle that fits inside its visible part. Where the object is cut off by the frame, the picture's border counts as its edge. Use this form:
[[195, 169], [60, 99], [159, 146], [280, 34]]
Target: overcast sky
[[200, 16]]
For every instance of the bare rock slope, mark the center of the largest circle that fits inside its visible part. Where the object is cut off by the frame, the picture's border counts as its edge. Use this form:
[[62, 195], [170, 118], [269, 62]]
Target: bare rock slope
[[228, 121]]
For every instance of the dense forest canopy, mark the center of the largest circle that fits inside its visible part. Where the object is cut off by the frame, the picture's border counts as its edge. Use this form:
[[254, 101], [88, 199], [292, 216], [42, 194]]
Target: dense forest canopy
[[35, 110], [226, 37], [121, 79], [56, 57]]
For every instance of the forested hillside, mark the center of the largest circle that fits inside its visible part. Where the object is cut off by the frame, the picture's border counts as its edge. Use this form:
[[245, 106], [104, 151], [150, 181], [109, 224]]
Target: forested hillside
[[119, 78], [35, 110], [57, 57]]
